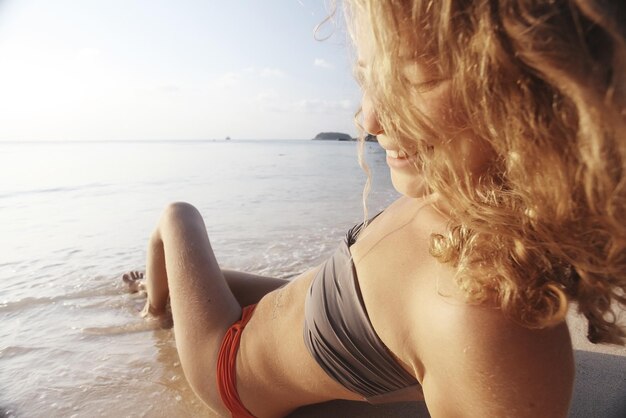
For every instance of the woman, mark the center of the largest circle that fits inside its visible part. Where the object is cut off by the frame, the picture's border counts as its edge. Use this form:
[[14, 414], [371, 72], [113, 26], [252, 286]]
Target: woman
[[505, 129]]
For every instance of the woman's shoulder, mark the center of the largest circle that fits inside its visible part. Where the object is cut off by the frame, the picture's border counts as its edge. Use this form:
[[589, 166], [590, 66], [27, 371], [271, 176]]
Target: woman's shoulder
[[396, 272], [421, 315], [406, 224]]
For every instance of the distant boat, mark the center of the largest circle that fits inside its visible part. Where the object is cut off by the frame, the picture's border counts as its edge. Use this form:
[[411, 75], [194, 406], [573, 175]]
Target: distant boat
[[228, 138]]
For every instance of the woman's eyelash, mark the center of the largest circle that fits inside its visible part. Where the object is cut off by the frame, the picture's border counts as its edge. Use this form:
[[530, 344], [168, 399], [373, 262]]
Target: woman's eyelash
[[428, 85], [423, 86], [420, 86]]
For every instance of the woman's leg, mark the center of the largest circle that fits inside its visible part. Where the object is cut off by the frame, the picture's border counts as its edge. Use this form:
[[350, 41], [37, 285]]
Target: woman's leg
[[181, 265], [247, 288], [250, 288]]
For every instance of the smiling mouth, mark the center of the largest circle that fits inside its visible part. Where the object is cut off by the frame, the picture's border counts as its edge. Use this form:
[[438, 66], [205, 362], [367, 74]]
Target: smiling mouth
[[399, 159], [399, 155]]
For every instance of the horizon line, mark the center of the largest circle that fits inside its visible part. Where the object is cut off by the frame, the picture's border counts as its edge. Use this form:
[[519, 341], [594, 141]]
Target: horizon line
[[152, 140]]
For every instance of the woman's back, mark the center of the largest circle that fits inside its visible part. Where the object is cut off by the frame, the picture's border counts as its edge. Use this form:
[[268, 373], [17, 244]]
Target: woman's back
[[471, 351], [404, 290]]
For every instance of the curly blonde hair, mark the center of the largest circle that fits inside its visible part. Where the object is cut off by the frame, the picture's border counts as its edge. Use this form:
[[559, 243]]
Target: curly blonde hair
[[543, 83]]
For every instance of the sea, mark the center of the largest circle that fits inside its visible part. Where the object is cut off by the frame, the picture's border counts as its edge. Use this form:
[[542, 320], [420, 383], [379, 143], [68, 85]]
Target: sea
[[74, 216]]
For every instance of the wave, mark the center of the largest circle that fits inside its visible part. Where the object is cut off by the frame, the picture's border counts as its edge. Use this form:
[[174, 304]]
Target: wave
[[28, 302], [149, 324], [12, 351], [53, 190]]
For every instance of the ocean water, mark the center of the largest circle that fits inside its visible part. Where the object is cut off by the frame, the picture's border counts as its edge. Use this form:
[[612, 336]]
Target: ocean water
[[75, 216]]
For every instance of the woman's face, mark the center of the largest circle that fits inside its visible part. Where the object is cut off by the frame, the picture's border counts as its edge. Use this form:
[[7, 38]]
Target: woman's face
[[432, 98]]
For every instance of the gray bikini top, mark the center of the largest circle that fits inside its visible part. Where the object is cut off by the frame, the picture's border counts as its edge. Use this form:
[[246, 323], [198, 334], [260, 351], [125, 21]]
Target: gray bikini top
[[340, 336]]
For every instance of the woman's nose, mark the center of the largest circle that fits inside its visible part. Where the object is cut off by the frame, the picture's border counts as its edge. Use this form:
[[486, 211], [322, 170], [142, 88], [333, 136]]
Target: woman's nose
[[371, 124]]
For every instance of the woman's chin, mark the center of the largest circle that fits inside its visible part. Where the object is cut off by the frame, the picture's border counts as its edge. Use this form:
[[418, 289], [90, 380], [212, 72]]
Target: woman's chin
[[409, 185]]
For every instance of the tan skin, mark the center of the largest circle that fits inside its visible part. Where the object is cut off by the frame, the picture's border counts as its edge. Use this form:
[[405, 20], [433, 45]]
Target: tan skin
[[470, 360]]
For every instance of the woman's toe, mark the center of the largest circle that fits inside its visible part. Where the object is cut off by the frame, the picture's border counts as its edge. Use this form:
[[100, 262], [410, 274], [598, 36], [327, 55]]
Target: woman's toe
[[134, 281]]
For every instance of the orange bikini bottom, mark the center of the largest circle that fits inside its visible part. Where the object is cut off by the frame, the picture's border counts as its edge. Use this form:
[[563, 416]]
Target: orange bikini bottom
[[226, 366]]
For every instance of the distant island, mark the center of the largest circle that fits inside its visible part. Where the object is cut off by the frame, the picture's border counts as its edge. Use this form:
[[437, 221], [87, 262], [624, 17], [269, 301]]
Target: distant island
[[338, 136]]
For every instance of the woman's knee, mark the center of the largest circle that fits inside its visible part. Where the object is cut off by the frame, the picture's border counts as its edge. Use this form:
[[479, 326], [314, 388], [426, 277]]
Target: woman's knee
[[180, 212], [179, 219]]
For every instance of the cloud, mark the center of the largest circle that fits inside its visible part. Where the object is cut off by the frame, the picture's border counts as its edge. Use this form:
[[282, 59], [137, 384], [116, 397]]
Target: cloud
[[269, 100], [237, 78], [266, 96], [272, 101], [271, 72], [323, 106], [169, 90], [264, 72], [321, 62], [227, 80]]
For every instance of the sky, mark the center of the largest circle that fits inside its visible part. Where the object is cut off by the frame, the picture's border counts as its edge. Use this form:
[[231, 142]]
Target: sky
[[168, 70]]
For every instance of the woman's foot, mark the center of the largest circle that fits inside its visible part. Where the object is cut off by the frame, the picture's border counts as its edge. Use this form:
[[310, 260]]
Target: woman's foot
[[136, 284], [135, 281]]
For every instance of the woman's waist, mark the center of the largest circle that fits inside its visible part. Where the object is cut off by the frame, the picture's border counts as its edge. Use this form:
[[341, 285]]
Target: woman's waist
[[273, 364]]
